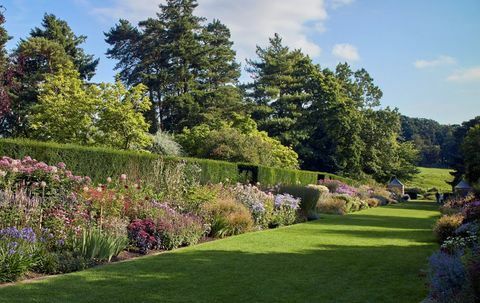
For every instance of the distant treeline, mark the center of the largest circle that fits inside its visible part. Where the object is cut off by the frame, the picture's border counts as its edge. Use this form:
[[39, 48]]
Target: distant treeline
[[439, 145], [178, 88]]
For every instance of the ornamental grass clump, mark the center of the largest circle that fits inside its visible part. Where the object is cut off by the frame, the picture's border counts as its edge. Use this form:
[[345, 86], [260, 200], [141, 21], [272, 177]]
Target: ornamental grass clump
[[331, 205], [446, 226], [227, 217], [99, 246], [309, 196]]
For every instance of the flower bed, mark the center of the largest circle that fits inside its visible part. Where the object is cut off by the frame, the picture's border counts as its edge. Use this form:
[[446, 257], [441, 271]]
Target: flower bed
[[52, 221], [341, 198], [454, 271]]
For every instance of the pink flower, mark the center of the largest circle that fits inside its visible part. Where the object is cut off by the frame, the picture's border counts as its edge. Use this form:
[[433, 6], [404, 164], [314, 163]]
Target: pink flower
[[61, 165], [123, 177]]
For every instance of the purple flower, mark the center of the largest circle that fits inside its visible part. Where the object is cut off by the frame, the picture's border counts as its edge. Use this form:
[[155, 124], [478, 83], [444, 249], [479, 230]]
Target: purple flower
[[26, 234], [12, 245], [347, 190], [286, 200], [447, 276], [258, 208]]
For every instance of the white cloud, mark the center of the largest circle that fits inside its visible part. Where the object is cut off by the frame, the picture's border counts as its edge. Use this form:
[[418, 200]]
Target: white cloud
[[251, 22], [346, 51], [465, 75], [133, 10], [340, 3], [439, 61]]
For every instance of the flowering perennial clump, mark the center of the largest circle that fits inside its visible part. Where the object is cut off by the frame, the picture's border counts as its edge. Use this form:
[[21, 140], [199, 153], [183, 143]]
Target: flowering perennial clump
[[455, 269], [143, 235], [258, 201], [18, 250], [286, 200]]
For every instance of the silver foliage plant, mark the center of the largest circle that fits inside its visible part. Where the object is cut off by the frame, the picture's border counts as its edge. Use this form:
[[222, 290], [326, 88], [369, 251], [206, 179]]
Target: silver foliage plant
[[164, 144]]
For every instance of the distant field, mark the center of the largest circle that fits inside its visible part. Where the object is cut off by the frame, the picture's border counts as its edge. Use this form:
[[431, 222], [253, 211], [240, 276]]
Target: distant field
[[432, 177]]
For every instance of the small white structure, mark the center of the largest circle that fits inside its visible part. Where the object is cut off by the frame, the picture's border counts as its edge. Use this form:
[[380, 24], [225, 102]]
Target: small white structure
[[396, 186], [463, 188]]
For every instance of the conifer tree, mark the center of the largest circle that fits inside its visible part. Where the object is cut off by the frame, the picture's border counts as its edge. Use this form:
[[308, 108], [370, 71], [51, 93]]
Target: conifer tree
[[59, 31]]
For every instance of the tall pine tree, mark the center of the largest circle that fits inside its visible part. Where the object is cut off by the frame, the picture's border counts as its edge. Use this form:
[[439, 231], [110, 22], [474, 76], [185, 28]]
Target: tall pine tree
[[279, 91], [59, 31], [188, 67]]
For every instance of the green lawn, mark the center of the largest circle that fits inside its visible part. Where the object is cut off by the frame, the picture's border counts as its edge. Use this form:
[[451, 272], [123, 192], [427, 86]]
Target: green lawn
[[375, 255], [432, 177]]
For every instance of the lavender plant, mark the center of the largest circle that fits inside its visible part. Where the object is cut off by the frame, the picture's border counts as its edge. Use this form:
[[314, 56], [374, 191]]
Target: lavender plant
[[448, 278]]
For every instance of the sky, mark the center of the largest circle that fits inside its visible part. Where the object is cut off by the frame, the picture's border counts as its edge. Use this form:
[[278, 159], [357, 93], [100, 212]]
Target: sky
[[423, 54]]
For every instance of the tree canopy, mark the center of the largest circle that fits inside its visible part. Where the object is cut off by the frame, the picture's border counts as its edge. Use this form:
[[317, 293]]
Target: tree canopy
[[178, 80], [70, 111]]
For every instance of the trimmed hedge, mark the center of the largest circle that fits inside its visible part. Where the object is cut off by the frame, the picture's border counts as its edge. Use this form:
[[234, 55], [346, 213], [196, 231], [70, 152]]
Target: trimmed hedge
[[100, 163], [271, 176]]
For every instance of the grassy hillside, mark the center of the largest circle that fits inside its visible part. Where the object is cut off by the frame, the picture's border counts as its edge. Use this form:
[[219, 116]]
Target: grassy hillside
[[432, 177]]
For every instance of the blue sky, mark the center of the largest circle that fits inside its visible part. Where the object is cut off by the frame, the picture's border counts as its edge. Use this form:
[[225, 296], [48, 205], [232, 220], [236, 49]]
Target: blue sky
[[424, 54]]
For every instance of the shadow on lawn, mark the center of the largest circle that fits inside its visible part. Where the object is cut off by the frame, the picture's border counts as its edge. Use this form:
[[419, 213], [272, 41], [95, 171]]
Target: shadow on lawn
[[319, 273], [364, 219], [328, 274]]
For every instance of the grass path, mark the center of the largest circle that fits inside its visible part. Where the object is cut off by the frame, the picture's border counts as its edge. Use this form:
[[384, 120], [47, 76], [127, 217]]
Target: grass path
[[371, 256]]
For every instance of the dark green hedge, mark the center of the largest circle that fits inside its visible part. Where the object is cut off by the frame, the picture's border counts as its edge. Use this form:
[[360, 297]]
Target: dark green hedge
[[272, 176], [100, 163]]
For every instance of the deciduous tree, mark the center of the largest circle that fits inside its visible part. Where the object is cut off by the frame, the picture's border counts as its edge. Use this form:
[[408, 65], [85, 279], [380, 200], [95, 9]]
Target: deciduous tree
[[471, 151]]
